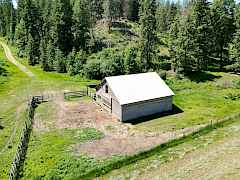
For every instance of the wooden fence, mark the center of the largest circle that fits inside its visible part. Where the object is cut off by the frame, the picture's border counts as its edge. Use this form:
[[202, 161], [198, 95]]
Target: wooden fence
[[17, 164], [79, 94]]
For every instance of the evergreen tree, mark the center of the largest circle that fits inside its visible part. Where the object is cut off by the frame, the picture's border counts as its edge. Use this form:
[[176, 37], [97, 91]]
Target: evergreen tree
[[112, 11], [61, 31], [201, 34], [82, 24], [76, 62], [234, 48], [51, 56], [96, 9], [132, 10], [224, 28], [131, 65], [21, 38], [7, 18], [190, 45], [44, 56], [60, 61], [148, 37]]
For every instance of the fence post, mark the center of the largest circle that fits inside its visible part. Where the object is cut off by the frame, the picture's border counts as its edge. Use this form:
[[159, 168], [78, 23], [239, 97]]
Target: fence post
[[24, 137]]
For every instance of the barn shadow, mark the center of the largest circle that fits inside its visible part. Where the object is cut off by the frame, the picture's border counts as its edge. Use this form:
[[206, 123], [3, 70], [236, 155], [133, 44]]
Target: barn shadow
[[201, 76], [176, 110]]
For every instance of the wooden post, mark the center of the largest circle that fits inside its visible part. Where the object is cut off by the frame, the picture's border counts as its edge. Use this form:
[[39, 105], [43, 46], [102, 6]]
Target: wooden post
[[111, 105]]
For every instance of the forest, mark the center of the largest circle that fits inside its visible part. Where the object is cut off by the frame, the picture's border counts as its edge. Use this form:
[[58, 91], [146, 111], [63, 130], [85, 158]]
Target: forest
[[79, 36]]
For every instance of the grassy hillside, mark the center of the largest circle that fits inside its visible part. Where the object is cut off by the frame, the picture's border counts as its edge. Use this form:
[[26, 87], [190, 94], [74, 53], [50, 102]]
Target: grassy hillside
[[214, 155], [199, 99], [15, 90]]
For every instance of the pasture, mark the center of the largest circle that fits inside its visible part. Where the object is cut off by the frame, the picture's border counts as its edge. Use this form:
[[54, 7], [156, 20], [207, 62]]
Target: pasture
[[66, 130]]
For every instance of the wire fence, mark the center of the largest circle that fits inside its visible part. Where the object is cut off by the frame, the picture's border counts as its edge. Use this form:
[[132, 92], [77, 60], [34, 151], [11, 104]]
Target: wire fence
[[79, 94], [17, 164]]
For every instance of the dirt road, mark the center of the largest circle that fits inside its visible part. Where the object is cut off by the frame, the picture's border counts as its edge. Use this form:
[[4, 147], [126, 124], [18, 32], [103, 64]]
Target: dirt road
[[14, 61]]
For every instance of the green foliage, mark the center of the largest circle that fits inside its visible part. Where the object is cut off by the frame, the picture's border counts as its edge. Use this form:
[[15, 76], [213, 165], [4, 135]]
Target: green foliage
[[7, 19], [21, 38], [224, 28], [44, 56], [3, 71], [131, 61], [76, 62], [190, 44], [233, 96], [61, 29], [82, 24], [148, 38], [109, 62], [60, 61]]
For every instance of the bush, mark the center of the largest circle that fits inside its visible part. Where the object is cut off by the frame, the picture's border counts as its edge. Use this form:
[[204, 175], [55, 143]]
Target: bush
[[233, 96], [233, 68], [3, 71], [76, 62], [92, 69], [163, 74], [109, 62]]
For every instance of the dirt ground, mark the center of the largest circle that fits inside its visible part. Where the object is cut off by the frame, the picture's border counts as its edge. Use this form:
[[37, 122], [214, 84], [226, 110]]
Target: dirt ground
[[119, 138]]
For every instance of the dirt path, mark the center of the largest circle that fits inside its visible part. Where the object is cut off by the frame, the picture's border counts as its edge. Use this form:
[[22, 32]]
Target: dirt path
[[14, 61]]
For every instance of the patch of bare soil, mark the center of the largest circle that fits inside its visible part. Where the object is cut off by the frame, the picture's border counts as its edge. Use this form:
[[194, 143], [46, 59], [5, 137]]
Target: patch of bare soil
[[119, 139]]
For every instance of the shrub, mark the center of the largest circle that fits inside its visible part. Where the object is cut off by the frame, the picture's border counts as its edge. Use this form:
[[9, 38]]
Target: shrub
[[233, 96], [76, 62], [233, 68], [92, 69], [163, 74]]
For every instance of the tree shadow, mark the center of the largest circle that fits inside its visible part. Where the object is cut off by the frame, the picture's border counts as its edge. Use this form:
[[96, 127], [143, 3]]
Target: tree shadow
[[1, 127], [201, 76], [175, 110], [125, 32], [119, 24]]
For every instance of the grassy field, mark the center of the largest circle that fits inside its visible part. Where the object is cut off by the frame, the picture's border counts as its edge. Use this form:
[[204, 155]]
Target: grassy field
[[215, 155], [199, 99], [15, 90]]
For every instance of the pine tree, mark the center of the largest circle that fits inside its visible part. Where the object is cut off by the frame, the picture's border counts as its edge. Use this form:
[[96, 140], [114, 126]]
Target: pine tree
[[148, 37], [21, 38], [201, 34], [60, 61], [112, 11], [44, 56], [61, 31], [32, 47], [132, 10], [7, 18], [234, 48], [190, 45], [51, 56], [131, 65], [224, 28], [82, 24], [76, 62]]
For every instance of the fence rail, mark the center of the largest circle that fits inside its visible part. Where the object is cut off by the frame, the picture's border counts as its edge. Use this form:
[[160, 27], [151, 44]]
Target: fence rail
[[17, 164], [81, 93]]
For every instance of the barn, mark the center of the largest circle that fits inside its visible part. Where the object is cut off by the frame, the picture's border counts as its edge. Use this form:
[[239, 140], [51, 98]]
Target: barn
[[134, 96]]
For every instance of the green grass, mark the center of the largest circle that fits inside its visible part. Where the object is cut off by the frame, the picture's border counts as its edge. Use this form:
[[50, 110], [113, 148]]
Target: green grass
[[50, 150], [200, 97], [200, 102], [181, 149], [15, 90]]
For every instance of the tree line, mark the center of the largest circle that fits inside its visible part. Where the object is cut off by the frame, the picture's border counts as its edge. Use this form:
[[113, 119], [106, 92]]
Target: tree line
[[60, 35]]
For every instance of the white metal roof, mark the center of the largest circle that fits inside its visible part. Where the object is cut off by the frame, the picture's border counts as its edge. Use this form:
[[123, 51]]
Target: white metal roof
[[138, 87]]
